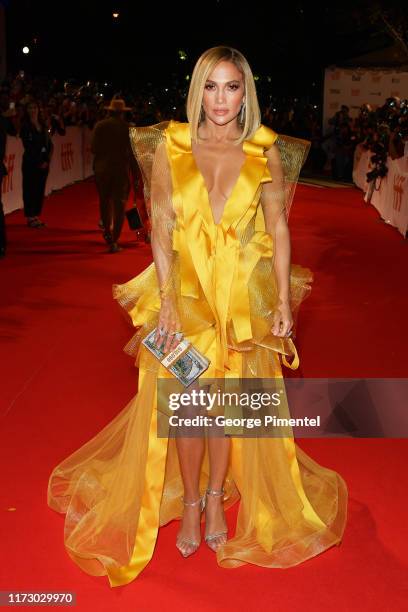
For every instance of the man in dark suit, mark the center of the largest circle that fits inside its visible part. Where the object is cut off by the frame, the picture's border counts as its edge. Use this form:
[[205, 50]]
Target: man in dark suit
[[112, 158]]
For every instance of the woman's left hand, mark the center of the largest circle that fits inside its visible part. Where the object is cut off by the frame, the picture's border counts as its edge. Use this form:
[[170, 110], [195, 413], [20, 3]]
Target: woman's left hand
[[282, 320]]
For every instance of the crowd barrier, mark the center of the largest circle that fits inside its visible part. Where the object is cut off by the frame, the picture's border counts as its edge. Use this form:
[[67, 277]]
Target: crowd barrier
[[390, 194], [71, 161]]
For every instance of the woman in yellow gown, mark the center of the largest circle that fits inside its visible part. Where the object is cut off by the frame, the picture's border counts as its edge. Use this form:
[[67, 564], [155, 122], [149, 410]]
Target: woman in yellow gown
[[219, 190]]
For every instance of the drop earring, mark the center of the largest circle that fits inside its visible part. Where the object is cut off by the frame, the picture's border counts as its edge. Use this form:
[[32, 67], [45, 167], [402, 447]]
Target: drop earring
[[242, 113]]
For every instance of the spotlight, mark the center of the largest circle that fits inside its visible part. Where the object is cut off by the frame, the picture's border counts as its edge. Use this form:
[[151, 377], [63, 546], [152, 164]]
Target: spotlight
[[115, 15], [26, 50]]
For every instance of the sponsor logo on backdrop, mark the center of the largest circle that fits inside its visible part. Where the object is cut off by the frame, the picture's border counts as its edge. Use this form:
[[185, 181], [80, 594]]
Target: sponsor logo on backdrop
[[7, 184], [67, 156], [398, 191], [375, 78], [355, 77], [334, 91], [334, 105], [355, 92], [335, 76], [375, 93], [395, 80]]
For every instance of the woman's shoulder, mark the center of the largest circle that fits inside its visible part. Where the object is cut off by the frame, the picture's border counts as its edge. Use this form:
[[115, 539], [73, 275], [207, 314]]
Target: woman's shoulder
[[145, 139], [178, 135], [153, 141], [169, 128], [264, 137], [145, 129], [175, 127]]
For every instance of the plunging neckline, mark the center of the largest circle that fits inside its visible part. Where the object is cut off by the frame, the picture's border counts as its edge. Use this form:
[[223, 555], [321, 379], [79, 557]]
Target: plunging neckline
[[227, 200]]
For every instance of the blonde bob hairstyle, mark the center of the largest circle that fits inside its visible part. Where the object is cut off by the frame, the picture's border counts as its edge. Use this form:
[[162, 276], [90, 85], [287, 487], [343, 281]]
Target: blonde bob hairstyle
[[202, 70]]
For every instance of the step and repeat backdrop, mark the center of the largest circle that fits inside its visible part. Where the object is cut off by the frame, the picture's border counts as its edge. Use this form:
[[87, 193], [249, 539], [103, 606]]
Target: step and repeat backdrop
[[71, 162], [357, 86]]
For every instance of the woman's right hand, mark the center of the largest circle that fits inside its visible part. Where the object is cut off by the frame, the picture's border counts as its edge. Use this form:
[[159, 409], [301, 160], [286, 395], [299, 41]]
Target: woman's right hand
[[169, 323]]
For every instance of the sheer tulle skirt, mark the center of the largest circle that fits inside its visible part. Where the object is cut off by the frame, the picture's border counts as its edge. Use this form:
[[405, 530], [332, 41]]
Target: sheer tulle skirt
[[121, 486]]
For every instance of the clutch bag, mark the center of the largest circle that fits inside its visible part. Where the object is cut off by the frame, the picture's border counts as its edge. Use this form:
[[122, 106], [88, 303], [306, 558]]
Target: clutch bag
[[133, 218], [184, 362]]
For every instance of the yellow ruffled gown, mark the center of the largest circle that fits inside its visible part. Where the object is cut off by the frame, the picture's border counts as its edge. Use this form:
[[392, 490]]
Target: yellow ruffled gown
[[122, 485]]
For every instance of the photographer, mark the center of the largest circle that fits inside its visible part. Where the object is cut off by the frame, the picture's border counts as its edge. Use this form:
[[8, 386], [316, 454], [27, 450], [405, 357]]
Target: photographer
[[343, 152], [399, 135]]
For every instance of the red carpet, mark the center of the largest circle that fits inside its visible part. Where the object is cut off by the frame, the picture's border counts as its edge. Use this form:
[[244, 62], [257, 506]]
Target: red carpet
[[64, 376]]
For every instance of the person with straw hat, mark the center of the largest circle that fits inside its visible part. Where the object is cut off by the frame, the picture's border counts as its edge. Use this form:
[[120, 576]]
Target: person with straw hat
[[112, 158]]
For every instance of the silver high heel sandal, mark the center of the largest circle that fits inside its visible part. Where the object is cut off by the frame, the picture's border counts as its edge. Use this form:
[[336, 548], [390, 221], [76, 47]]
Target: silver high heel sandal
[[210, 538], [193, 544]]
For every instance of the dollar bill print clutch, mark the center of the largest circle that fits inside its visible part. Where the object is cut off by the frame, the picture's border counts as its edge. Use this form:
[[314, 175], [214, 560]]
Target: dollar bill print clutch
[[184, 362]]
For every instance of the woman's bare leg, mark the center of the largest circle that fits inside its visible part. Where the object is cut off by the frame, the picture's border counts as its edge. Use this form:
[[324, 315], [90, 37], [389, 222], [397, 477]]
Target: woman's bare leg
[[190, 452], [218, 450], [190, 455]]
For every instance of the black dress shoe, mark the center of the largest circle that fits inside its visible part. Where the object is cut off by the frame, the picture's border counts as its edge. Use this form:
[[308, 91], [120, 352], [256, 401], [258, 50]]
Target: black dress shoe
[[107, 236], [33, 223], [114, 248]]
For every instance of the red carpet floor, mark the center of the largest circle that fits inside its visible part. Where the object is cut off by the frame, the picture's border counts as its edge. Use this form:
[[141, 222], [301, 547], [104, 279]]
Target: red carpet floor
[[64, 376]]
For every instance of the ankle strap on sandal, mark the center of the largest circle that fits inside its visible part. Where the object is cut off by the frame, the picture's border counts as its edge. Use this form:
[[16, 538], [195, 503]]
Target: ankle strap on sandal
[[215, 492], [194, 503]]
